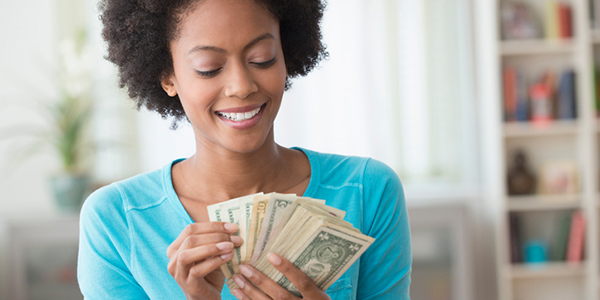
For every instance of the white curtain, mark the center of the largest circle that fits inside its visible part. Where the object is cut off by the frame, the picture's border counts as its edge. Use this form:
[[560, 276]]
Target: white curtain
[[397, 87]]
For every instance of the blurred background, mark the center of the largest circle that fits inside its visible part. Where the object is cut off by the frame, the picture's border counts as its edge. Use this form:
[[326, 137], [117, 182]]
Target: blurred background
[[486, 109]]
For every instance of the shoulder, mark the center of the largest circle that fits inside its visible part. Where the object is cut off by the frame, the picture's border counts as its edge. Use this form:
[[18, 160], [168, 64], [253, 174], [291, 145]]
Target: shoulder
[[351, 169], [121, 196]]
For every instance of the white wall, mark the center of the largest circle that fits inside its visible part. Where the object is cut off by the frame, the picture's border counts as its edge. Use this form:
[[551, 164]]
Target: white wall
[[28, 35]]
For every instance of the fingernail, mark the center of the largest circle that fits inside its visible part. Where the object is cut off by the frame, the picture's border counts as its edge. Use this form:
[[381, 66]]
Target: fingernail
[[236, 239], [227, 256], [231, 227], [237, 293], [274, 259], [239, 282], [246, 271], [225, 246]]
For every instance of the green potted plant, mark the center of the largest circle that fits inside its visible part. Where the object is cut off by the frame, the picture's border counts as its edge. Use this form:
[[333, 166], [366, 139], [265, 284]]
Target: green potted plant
[[68, 119]]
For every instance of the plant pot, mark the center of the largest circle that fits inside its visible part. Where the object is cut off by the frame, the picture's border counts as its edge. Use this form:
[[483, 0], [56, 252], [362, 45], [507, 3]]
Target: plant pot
[[70, 190]]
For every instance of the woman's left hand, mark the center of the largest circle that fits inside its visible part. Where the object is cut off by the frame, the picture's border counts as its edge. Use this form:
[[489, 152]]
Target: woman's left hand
[[270, 289]]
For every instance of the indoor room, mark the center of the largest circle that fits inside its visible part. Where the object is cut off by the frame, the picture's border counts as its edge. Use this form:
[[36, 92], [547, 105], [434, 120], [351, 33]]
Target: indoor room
[[450, 147]]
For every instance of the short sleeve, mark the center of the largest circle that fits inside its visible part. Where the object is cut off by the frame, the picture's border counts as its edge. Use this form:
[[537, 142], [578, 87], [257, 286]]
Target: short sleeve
[[385, 267], [104, 251]]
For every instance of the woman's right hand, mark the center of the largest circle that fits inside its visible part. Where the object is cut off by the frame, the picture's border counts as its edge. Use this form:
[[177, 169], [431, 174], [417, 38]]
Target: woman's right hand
[[196, 255]]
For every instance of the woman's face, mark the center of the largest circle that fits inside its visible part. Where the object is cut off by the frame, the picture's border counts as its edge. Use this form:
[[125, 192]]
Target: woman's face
[[229, 73]]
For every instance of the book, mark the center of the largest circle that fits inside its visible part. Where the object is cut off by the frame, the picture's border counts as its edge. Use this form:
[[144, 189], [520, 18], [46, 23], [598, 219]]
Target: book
[[565, 22], [597, 88], [567, 102], [549, 80], [576, 237], [515, 239], [559, 252], [510, 93], [522, 99], [551, 30]]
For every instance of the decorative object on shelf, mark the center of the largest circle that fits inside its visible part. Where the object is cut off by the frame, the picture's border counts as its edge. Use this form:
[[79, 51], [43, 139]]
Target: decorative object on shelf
[[536, 251], [558, 177], [541, 104], [69, 117], [521, 181], [518, 22]]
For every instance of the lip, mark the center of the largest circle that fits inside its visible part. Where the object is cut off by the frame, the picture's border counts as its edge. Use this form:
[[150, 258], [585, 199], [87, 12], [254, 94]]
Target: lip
[[240, 109], [246, 124]]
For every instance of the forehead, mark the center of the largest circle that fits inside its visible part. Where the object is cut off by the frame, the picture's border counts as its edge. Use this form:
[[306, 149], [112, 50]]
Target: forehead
[[225, 23]]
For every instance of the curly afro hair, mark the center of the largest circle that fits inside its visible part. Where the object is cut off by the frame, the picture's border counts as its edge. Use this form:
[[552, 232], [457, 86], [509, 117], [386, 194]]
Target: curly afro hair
[[138, 33]]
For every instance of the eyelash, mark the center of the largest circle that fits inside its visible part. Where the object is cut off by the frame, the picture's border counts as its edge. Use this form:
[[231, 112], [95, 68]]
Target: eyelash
[[260, 65]]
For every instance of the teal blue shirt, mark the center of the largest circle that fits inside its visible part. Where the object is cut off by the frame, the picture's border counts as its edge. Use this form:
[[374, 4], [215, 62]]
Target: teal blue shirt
[[126, 227]]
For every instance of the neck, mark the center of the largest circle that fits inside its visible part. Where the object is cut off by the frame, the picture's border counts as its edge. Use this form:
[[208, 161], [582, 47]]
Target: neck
[[220, 174]]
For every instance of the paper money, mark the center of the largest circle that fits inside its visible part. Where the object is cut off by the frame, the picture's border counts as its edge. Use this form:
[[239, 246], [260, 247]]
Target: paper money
[[312, 235], [214, 214], [229, 211], [273, 213], [257, 216], [245, 222]]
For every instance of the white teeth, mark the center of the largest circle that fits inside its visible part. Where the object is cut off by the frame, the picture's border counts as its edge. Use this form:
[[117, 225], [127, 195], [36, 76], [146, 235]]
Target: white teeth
[[238, 117]]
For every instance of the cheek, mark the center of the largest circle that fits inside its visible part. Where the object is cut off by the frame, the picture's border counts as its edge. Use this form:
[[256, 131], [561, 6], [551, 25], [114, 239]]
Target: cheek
[[197, 96], [274, 83]]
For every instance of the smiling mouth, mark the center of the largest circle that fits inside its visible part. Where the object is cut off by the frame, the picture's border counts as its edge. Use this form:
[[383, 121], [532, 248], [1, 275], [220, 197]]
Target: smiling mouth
[[240, 116]]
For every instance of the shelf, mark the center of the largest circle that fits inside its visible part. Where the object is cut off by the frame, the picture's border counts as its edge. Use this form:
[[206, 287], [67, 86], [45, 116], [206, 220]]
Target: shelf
[[545, 270], [528, 129], [544, 202], [537, 46]]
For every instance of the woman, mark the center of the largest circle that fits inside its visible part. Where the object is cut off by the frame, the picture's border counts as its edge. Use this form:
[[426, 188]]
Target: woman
[[223, 65]]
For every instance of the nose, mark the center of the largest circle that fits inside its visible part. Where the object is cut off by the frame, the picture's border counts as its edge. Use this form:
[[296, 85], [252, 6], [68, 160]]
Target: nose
[[240, 82]]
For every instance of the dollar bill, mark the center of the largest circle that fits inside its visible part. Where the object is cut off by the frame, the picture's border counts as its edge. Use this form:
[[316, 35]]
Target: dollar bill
[[312, 235], [229, 211], [274, 211], [245, 222], [327, 255], [274, 214], [257, 216], [214, 214]]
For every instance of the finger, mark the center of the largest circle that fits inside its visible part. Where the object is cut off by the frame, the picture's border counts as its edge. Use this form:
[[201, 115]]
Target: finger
[[209, 238], [248, 290], [185, 259], [204, 268], [264, 283], [239, 294], [306, 285], [200, 228]]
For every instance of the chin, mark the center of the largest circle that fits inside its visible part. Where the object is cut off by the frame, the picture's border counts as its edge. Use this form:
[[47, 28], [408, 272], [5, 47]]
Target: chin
[[247, 146]]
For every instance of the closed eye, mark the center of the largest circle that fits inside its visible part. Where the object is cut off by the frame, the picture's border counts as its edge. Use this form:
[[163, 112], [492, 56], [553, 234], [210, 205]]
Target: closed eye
[[266, 64], [211, 73]]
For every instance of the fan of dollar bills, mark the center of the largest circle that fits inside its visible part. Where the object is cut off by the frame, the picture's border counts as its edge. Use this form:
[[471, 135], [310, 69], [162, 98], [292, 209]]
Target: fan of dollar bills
[[312, 235]]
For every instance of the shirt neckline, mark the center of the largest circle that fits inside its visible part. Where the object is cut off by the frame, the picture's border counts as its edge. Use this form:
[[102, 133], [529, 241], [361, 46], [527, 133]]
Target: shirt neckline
[[315, 174]]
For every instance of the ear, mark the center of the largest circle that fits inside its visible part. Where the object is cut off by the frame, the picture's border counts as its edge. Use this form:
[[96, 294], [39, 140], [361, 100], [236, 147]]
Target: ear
[[168, 85]]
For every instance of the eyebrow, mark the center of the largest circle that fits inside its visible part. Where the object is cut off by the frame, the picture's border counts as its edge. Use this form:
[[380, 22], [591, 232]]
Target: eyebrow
[[221, 50]]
